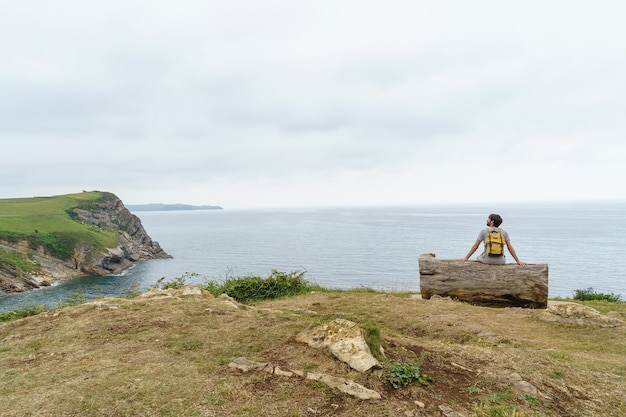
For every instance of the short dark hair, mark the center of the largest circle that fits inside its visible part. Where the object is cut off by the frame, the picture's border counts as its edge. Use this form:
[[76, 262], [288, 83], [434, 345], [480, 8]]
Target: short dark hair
[[497, 220]]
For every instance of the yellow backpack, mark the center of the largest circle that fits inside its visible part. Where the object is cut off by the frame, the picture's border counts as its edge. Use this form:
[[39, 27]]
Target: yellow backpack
[[494, 242]]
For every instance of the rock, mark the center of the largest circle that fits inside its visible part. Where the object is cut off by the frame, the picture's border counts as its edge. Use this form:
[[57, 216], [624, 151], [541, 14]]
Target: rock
[[186, 291], [104, 305], [525, 387], [229, 300], [518, 383], [449, 412], [578, 314], [247, 365], [280, 372], [344, 339], [344, 385]]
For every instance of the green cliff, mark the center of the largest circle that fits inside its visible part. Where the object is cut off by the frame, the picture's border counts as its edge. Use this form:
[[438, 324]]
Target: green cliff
[[43, 239]]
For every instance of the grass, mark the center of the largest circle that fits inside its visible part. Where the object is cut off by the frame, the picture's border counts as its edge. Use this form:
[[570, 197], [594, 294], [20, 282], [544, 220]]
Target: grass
[[43, 214], [48, 222], [135, 357], [19, 260]]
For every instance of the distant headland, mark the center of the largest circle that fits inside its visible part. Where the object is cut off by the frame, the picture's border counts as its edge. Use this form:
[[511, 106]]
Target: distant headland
[[47, 239], [169, 207]]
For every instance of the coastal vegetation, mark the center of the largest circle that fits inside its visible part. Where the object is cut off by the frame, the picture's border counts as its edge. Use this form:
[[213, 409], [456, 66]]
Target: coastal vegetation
[[132, 356], [589, 294], [46, 239], [50, 223], [252, 288]]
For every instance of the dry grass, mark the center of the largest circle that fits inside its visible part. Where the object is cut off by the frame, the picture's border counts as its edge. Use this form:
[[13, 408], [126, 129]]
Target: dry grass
[[169, 358]]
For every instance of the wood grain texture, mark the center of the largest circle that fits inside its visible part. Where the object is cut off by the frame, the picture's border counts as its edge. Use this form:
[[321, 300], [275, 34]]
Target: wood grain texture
[[507, 285]]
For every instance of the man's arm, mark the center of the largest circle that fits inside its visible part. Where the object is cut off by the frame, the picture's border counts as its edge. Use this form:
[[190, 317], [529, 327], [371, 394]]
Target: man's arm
[[472, 250], [512, 252]]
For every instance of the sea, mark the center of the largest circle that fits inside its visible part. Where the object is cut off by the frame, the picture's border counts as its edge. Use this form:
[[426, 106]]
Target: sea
[[584, 245]]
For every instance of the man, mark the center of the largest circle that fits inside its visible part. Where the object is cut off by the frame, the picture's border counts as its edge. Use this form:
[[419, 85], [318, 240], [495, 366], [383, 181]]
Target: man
[[493, 223]]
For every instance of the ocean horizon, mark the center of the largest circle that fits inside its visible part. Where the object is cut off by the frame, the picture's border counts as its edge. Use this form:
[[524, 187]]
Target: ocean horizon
[[372, 247]]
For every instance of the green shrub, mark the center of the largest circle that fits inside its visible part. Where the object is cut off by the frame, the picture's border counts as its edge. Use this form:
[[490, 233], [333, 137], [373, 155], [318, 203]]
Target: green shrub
[[254, 288], [75, 299], [399, 374], [175, 284], [11, 237], [22, 312], [590, 295]]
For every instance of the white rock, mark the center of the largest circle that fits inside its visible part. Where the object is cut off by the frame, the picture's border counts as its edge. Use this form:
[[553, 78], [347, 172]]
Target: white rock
[[574, 313], [344, 339]]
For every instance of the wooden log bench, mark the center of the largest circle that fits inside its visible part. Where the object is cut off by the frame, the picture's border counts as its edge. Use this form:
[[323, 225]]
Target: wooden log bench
[[477, 283]]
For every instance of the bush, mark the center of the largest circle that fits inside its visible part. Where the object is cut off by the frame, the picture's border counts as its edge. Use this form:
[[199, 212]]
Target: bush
[[22, 312], [399, 374], [175, 284], [75, 299], [590, 295], [254, 288]]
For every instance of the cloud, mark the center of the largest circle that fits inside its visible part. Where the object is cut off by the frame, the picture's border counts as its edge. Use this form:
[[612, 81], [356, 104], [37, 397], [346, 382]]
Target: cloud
[[312, 102]]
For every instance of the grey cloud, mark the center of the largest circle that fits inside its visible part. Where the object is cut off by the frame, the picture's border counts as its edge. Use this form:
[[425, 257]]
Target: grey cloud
[[142, 93]]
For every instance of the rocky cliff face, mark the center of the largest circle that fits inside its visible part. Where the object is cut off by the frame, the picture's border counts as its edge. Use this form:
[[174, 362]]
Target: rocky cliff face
[[134, 245]]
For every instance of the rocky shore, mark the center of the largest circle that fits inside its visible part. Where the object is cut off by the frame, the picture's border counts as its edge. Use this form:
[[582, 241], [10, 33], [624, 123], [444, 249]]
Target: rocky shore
[[134, 245]]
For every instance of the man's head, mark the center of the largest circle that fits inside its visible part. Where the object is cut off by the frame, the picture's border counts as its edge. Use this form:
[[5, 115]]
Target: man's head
[[497, 220]]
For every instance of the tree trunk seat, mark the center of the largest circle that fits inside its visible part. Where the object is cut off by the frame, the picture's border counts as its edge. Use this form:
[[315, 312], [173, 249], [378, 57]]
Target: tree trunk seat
[[477, 283]]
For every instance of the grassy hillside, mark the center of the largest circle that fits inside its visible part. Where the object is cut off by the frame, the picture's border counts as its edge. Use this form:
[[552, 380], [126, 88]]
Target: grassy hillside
[[45, 221], [169, 357]]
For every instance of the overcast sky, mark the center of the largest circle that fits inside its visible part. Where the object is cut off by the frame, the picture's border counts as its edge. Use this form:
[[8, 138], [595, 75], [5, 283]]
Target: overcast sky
[[248, 103]]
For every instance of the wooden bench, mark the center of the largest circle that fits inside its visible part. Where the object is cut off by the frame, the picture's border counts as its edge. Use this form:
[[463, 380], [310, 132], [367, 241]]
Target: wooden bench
[[474, 282]]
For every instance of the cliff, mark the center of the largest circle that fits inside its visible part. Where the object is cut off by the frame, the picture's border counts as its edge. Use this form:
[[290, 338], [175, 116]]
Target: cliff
[[47, 239]]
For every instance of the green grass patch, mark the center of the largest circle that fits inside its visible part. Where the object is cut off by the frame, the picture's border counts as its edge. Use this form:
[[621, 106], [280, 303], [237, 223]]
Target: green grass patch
[[556, 373], [22, 312], [18, 260], [373, 340], [253, 288], [47, 222]]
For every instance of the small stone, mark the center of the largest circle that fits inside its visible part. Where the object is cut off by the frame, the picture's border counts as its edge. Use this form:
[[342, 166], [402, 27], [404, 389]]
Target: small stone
[[278, 371], [449, 412], [525, 387]]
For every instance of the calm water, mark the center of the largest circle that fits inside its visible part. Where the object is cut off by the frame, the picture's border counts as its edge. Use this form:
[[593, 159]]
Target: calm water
[[584, 245]]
